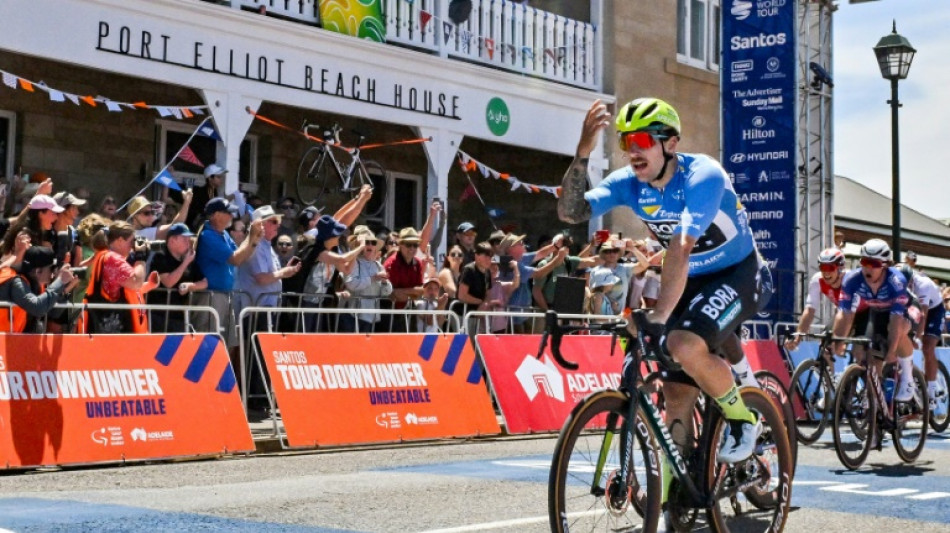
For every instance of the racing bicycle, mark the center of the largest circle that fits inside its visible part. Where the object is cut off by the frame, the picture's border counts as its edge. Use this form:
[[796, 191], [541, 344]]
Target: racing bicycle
[[607, 470], [329, 171], [863, 412]]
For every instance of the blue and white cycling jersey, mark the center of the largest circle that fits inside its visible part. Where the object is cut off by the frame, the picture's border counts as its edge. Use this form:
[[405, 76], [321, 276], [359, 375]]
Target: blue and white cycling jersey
[[890, 296], [699, 200]]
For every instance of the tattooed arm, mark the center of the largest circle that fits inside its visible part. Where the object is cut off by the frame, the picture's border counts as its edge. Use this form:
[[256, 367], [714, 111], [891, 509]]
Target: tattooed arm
[[571, 205]]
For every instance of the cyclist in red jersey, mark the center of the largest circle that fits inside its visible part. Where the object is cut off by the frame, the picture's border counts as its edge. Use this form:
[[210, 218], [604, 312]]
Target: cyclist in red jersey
[[827, 282]]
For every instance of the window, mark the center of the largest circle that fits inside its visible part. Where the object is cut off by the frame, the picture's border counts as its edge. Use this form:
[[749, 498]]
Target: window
[[171, 137], [698, 33], [7, 143], [403, 190]]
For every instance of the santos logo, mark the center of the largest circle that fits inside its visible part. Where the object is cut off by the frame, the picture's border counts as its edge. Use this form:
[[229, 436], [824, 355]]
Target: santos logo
[[536, 376], [741, 9], [761, 40]]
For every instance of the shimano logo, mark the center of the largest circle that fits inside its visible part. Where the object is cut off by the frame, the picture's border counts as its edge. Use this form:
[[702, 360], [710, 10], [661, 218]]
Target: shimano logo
[[762, 40], [741, 9], [766, 215]]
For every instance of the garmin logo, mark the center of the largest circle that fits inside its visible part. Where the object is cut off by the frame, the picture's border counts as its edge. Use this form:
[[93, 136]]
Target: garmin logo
[[741, 9], [762, 40]]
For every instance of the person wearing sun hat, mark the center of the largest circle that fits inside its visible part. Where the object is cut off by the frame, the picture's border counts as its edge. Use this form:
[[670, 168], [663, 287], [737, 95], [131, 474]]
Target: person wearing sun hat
[[513, 246], [600, 281], [431, 300]]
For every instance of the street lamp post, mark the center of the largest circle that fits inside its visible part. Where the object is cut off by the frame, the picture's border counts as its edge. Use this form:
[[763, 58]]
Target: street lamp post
[[894, 55]]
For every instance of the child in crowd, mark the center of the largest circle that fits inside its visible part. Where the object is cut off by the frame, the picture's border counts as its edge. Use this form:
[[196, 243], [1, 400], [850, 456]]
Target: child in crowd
[[500, 292], [431, 301]]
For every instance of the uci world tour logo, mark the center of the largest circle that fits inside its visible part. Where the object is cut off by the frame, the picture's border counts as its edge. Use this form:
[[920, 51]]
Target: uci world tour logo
[[498, 116], [741, 9]]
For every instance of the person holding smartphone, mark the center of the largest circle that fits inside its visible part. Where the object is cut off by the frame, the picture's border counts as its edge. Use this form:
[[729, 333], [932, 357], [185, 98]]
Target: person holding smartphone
[[178, 275], [367, 283]]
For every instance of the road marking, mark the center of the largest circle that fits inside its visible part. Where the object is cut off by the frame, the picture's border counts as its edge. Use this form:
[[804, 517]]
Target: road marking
[[508, 523], [853, 488], [929, 496]]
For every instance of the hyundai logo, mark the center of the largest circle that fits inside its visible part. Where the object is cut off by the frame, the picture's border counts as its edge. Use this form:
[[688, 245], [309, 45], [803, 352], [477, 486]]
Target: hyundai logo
[[737, 158]]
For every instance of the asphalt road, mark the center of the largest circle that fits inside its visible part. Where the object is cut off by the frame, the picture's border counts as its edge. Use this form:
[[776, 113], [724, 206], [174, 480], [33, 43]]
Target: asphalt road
[[485, 485]]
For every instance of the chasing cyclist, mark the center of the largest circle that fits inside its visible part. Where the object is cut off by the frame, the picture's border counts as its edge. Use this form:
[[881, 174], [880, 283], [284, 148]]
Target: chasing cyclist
[[883, 302], [929, 328], [710, 268], [826, 282]]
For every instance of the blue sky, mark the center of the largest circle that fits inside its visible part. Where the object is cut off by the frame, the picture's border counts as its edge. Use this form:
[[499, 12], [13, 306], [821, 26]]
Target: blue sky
[[862, 118]]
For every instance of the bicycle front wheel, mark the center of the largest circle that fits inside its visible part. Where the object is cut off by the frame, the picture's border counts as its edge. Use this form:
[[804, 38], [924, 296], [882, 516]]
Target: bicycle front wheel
[[855, 418], [774, 387], [811, 393], [768, 470], [910, 421], [585, 492], [315, 175], [940, 414]]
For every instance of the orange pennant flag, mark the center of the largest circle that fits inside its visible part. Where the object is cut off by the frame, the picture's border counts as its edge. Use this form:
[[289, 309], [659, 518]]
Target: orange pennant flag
[[472, 166], [27, 86], [140, 105], [503, 175], [535, 189], [89, 100], [187, 112]]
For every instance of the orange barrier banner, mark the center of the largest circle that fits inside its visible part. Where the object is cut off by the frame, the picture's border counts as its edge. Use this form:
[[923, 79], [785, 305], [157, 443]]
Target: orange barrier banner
[[70, 399], [356, 389]]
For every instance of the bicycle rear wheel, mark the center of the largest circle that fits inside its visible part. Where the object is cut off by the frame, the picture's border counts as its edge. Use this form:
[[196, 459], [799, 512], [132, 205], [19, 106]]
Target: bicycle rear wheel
[[855, 418], [768, 470], [940, 415], [771, 384], [810, 391], [910, 421], [373, 174], [316, 176], [583, 489]]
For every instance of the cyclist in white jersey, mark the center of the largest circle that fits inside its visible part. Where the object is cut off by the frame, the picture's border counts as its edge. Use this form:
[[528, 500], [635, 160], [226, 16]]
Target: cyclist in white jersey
[[930, 327]]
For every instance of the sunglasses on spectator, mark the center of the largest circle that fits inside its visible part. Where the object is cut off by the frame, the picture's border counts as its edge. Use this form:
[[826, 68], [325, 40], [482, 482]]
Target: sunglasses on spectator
[[242, 230], [410, 244], [284, 244], [828, 268], [370, 242], [871, 262], [287, 206], [641, 139], [456, 254], [273, 221]]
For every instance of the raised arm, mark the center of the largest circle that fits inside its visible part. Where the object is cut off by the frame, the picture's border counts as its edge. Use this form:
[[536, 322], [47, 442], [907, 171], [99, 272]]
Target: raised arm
[[571, 205]]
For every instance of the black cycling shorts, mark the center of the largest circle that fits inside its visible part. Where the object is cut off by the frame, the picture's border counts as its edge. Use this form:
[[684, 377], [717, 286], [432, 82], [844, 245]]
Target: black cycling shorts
[[714, 305]]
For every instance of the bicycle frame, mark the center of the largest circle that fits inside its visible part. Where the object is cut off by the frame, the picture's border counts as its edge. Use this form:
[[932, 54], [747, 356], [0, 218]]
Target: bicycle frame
[[331, 139]]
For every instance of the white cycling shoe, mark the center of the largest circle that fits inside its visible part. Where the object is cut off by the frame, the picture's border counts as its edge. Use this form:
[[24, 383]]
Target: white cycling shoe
[[906, 392], [739, 440]]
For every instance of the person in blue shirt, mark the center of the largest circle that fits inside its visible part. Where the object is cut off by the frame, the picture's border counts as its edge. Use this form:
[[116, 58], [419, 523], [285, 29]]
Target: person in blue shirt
[[218, 257], [710, 270], [876, 295]]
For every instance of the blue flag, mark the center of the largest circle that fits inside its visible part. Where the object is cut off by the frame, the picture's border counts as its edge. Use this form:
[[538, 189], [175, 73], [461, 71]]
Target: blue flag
[[166, 179], [207, 130]]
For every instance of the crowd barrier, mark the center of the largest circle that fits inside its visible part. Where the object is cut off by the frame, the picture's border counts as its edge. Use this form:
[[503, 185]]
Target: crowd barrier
[[85, 399]]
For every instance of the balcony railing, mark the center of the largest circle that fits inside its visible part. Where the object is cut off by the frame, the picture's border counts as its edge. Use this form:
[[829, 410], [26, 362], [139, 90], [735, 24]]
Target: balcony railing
[[498, 33]]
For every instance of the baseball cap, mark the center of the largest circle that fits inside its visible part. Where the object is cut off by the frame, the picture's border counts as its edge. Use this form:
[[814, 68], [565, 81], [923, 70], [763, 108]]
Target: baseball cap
[[66, 199], [218, 205], [37, 257], [178, 229], [465, 227], [911, 255], [309, 213], [214, 169], [42, 201], [432, 279]]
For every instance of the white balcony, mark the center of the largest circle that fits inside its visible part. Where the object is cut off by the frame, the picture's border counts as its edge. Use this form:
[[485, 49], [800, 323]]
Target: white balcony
[[498, 33]]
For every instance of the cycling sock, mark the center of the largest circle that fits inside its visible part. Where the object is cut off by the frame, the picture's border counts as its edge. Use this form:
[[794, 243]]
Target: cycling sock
[[932, 389], [907, 369], [733, 408], [743, 371]]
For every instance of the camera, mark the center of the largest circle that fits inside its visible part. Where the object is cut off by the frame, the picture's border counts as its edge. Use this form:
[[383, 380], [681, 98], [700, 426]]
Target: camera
[[79, 272], [151, 246], [504, 264]]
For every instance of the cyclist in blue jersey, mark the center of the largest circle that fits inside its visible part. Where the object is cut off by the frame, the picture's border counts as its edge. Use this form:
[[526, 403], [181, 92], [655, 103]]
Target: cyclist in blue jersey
[[710, 269], [876, 295]]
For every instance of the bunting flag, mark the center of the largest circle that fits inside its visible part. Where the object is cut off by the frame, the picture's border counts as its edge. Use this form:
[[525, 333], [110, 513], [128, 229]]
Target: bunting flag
[[188, 155], [207, 130], [446, 31], [470, 165], [165, 178], [527, 52], [490, 48], [424, 18], [55, 95], [467, 194], [465, 40]]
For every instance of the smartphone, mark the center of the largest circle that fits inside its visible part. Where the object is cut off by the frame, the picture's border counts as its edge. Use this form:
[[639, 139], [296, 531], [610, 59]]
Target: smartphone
[[602, 235], [294, 261]]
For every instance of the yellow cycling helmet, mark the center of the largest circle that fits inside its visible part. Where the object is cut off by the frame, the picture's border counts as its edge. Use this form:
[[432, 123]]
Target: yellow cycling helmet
[[648, 114]]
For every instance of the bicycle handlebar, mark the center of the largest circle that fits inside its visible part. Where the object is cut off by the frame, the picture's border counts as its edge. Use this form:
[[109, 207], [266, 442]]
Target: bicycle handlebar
[[648, 336], [827, 336]]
